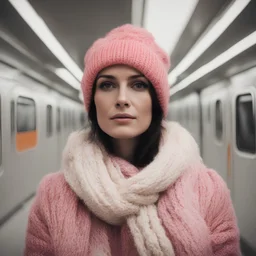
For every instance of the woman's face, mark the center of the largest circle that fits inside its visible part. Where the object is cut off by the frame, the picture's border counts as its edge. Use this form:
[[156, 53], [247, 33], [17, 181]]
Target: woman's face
[[123, 102]]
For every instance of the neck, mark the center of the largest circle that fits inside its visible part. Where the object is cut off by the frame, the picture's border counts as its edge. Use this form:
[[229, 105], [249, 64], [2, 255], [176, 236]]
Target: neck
[[124, 148]]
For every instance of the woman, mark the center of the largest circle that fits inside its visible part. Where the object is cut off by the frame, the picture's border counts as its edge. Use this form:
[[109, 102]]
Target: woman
[[132, 184]]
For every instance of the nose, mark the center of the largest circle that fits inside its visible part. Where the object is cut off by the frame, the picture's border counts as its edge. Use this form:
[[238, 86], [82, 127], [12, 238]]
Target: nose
[[122, 98]]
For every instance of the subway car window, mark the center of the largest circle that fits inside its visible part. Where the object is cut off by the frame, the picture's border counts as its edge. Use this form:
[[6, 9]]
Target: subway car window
[[26, 114], [218, 120], [58, 126], [245, 124], [49, 128]]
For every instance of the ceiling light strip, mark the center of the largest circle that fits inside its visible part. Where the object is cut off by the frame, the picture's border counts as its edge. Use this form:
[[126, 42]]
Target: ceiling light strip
[[232, 52], [66, 76], [169, 14], [208, 38], [36, 23]]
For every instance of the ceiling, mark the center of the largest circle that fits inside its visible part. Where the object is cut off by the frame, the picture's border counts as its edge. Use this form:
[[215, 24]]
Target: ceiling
[[241, 27], [77, 24]]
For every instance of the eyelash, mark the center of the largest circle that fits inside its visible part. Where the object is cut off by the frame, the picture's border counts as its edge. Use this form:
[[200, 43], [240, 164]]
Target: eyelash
[[144, 85], [104, 84]]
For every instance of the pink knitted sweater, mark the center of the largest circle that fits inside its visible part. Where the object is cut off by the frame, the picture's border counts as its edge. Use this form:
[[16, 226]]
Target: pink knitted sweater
[[195, 211]]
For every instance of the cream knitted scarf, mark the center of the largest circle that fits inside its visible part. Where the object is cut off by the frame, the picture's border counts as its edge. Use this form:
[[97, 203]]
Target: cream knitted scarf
[[98, 180]]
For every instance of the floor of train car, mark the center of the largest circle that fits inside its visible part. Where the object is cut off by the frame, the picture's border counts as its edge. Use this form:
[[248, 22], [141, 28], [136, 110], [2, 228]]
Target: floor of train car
[[12, 233]]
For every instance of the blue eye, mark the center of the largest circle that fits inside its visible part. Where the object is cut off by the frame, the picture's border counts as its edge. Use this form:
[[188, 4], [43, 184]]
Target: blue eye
[[140, 85], [106, 85]]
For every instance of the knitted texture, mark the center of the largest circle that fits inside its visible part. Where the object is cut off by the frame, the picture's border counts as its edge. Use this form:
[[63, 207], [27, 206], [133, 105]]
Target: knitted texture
[[132, 46], [113, 198], [193, 214]]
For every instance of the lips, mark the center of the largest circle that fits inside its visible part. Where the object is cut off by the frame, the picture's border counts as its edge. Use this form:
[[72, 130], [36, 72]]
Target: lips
[[122, 116]]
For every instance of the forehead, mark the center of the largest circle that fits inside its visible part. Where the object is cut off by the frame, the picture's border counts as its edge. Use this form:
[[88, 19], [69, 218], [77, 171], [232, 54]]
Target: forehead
[[117, 70]]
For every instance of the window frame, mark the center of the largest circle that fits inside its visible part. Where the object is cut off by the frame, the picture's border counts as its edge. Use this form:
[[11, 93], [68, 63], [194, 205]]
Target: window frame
[[209, 114], [58, 119], [17, 130], [49, 121], [238, 147], [217, 137]]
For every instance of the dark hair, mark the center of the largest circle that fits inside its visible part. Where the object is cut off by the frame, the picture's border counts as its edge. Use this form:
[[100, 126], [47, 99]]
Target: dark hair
[[148, 144]]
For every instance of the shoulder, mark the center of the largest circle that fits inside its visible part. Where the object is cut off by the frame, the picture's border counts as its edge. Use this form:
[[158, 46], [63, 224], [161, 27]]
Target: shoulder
[[52, 181], [54, 186], [211, 181], [213, 192]]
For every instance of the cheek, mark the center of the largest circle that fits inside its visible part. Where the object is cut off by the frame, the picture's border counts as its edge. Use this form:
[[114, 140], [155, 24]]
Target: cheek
[[102, 110], [146, 105], [101, 107], [145, 109]]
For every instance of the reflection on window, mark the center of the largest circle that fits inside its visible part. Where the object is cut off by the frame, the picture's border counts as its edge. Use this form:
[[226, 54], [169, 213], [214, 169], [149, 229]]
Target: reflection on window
[[58, 126], [218, 120], [26, 115], [245, 126], [49, 128]]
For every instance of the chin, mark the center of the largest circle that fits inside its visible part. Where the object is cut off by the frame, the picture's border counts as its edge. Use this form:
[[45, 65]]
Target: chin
[[125, 132]]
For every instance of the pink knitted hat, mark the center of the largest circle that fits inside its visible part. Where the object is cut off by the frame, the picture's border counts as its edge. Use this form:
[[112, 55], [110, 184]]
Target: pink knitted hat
[[132, 46]]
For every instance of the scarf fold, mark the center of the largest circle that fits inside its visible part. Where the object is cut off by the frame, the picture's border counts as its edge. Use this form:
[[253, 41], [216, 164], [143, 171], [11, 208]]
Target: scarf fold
[[99, 180]]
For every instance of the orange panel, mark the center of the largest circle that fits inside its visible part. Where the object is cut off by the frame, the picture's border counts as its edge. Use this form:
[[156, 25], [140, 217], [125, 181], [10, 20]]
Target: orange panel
[[26, 140]]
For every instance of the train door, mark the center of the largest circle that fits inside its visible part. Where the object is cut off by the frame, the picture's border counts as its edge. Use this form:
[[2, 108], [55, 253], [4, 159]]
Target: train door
[[182, 112], [244, 161], [185, 113], [193, 109], [172, 111], [48, 134], [59, 127], [220, 144], [65, 124], [5, 176], [216, 121], [20, 177], [207, 124]]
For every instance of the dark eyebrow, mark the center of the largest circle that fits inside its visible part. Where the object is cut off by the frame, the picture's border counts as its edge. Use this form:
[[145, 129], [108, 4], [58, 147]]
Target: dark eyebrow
[[112, 77], [136, 76], [105, 76]]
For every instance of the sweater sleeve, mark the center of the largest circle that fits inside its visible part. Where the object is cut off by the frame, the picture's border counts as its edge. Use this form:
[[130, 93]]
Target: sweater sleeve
[[38, 239], [220, 215]]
